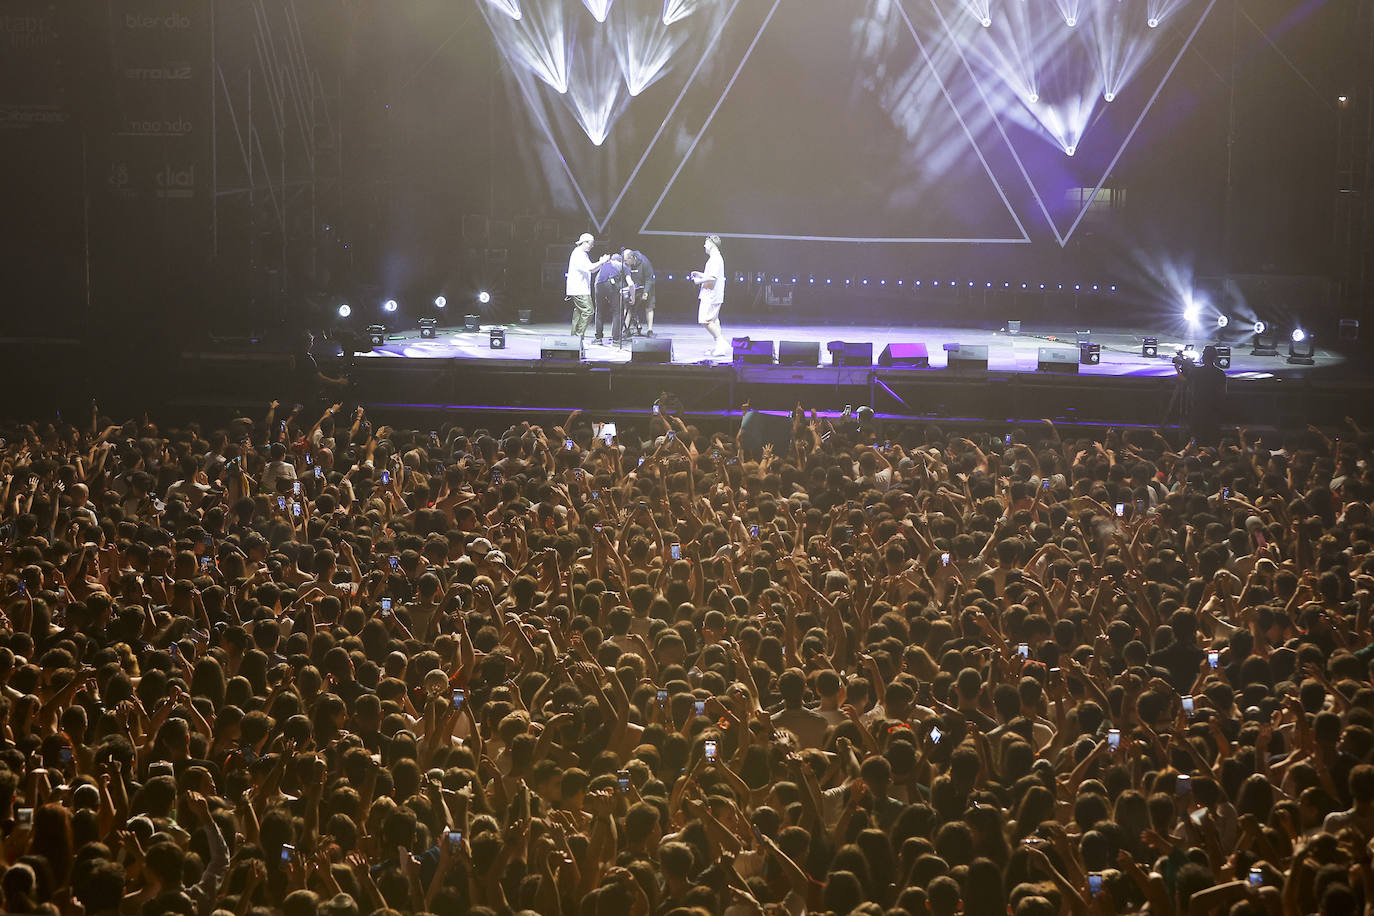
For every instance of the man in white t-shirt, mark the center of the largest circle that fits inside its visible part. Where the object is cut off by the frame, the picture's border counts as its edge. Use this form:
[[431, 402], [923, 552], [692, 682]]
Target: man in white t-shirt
[[712, 283], [579, 288]]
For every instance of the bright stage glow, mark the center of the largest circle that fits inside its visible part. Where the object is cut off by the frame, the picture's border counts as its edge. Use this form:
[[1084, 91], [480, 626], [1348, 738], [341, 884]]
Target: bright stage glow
[[644, 51], [1109, 96], [1152, 23], [390, 305], [345, 310], [599, 9], [537, 45], [1191, 312], [440, 302], [1298, 335], [510, 7], [1071, 22], [484, 297], [1223, 321], [675, 10], [1070, 150]]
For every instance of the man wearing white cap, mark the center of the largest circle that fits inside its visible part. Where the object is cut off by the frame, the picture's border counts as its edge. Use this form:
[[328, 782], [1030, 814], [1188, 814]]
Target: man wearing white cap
[[711, 279], [579, 289]]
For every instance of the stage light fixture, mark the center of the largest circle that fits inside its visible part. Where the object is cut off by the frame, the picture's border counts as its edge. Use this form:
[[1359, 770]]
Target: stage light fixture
[[440, 302], [1149, 347], [484, 298], [987, 23], [1013, 326], [376, 334], [1089, 354], [1223, 356], [1302, 348], [1070, 150], [497, 339], [1033, 98], [1265, 342], [1109, 96], [427, 328], [390, 306], [1083, 336], [1223, 321], [1191, 312], [1153, 23], [345, 310], [1071, 22], [524, 316], [472, 323]]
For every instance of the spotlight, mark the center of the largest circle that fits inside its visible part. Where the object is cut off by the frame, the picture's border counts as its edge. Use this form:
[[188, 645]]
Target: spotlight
[[427, 328], [1109, 96], [1033, 97], [390, 305], [376, 333], [472, 323], [1301, 348], [484, 297], [1153, 23], [1222, 321], [1149, 347], [345, 310], [1070, 150], [987, 23], [1071, 22], [1265, 342], [497, 339], [440, 302], [1191, 312]]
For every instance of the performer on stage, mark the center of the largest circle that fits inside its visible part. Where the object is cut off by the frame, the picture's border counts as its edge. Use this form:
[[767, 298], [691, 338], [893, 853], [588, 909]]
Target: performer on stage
[[579, 287], [642, 279], [610, 280], [712, 283]]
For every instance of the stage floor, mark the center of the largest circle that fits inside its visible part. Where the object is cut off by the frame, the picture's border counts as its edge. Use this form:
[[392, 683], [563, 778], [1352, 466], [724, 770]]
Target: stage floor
[[1007, 353]]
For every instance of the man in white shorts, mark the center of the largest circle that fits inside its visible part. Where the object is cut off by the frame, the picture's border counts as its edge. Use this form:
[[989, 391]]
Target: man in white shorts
[[712, 283]]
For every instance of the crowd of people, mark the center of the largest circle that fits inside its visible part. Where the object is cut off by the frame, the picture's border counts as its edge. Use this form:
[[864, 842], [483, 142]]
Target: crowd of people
[[295, 664]]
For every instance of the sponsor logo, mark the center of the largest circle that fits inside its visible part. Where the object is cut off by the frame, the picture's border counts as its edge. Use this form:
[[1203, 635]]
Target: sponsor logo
[[21, 116], [178, 128], [20, 32], [172, 22], [169, 72], [176, 182]]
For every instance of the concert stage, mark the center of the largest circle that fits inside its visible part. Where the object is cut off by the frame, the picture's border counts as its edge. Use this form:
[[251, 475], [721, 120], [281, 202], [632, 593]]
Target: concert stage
[[457, 374]]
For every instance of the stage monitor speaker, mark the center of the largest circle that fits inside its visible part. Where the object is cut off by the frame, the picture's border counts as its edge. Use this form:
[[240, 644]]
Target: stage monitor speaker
[[850, 353], [1053, 359], [759, 429], [799, 353], [967, 357], [1089, 353], [560, 348], [905, 356], [746, 350], [651, 350]]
